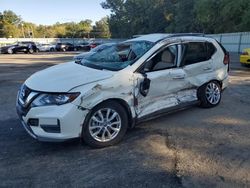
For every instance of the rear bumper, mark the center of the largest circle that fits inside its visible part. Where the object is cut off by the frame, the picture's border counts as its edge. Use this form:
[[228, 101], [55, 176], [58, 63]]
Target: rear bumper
[[225, 83]]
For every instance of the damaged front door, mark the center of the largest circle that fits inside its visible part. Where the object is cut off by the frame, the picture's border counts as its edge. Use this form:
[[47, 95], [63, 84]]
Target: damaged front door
[[166, 79]]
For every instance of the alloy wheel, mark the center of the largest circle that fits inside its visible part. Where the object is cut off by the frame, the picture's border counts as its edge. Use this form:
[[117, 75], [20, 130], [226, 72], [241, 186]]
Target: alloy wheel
[[105, 124], [213, 93]]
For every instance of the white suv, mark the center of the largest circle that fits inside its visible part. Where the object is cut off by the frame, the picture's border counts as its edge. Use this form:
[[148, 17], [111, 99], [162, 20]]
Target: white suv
[[109, 91]]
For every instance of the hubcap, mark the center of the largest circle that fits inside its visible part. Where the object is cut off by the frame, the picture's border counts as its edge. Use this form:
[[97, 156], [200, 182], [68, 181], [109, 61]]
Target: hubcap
[[10, 51], [213, 93], [104, 125]]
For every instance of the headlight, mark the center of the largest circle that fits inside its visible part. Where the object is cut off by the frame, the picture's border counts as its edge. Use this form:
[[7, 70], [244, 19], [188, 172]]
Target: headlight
[[54, 99]]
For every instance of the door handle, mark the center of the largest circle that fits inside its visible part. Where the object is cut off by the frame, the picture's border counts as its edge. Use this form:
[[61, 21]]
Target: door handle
[[178, 77], [207, 68]]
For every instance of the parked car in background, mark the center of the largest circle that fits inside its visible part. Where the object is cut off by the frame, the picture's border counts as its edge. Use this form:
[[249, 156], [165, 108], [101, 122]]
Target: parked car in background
[[245, 57], [111, 90], [65, 47], [46, 47], [85, 46], [94, 44], [78, 58], [25, 47]]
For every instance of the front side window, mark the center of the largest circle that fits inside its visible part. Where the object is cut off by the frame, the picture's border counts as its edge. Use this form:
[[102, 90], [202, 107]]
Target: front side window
[[164, 59], [117, 56]]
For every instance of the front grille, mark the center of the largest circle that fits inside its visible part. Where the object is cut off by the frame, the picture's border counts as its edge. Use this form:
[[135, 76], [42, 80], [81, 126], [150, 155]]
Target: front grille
[[24, 99], [21, 111], [24, 92]]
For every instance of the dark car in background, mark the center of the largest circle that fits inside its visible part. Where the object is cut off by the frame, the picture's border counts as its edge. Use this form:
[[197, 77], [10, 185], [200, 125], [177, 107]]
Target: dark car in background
[[25, 47], [65, 46], [94, 44], [85, 46], [78, 58]]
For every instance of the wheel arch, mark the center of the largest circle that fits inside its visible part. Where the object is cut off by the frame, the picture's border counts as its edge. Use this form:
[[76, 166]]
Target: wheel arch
[[213, 80]]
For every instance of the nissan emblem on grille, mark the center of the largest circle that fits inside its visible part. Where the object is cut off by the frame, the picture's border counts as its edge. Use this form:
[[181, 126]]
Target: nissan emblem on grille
[[23, 93]]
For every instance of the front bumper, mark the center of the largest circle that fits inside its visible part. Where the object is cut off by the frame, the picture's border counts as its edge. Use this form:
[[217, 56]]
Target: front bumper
[[52, 123]]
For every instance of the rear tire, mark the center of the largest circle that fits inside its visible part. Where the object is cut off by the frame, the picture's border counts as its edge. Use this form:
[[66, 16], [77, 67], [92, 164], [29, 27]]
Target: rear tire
[[105, 125], [209, 94]]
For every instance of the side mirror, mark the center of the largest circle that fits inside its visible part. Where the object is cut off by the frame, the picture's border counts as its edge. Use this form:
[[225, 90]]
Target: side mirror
[[145, 85]]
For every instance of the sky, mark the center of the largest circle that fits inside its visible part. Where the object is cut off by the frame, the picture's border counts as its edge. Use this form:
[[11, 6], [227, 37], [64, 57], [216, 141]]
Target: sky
[[48, 12]]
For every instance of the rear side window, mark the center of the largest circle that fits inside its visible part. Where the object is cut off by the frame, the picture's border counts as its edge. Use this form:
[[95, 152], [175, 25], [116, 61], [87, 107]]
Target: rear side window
[[210, 50], [195, 52]]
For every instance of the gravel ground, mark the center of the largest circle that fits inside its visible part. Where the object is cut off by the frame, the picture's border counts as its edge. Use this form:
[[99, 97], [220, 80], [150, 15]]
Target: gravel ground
[[190, 148]]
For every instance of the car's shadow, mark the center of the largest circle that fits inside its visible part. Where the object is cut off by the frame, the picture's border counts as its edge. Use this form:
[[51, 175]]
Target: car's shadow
[[130, 162]]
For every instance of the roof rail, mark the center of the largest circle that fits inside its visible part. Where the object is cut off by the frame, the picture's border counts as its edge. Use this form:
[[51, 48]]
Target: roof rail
[[186, 34], [170, 35]]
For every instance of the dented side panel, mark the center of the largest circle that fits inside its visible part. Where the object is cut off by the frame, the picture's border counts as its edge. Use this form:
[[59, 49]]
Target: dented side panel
[[168, 88], [118, 87]]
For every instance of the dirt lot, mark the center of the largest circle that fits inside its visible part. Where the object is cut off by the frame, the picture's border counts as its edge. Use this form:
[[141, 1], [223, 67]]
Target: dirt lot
[[191, 148]]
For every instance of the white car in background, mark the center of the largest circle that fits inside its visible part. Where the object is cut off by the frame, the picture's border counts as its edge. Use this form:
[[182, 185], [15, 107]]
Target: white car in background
[[109, 91], [46, 47]]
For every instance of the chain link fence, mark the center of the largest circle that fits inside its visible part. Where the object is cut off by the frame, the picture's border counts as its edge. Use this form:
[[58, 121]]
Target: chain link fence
[[233, 42], [6, 41]]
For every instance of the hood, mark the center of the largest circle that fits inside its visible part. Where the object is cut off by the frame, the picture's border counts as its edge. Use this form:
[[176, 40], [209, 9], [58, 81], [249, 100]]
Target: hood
[[64, 77]]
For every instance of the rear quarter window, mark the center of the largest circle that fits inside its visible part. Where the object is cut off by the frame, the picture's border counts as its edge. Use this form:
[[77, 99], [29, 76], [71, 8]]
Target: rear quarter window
[[195, 52], [210, 50]]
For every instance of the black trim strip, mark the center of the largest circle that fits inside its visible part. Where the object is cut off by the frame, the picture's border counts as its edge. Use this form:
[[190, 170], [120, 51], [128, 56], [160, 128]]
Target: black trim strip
[[166, 111]]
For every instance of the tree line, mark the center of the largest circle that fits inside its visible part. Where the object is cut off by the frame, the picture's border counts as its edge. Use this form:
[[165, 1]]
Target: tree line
[[12, 25], [132, 17]]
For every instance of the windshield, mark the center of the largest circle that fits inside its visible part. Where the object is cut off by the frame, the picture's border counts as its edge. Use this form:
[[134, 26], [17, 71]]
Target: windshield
[[101, 47], [117, 56]]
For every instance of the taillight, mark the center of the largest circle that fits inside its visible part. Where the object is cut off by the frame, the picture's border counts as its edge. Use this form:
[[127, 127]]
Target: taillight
[[244, 53], [226, 59]]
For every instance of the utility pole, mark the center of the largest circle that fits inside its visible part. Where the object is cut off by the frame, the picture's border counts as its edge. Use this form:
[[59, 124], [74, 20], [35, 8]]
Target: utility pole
[[32, 31], [23, 30]]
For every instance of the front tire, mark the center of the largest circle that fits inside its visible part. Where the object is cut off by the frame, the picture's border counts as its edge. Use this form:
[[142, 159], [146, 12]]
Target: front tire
[[31, 51], [106, 125], [10, 51], [210, 94]]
